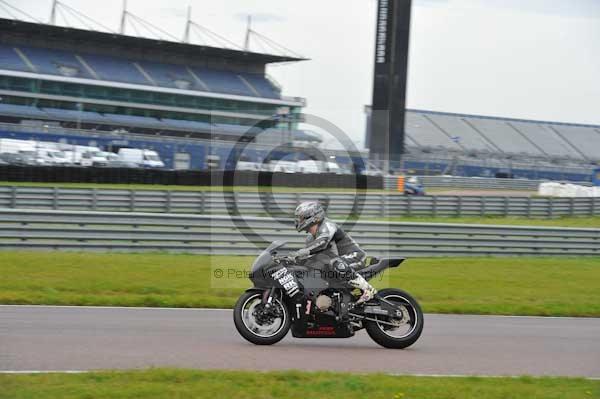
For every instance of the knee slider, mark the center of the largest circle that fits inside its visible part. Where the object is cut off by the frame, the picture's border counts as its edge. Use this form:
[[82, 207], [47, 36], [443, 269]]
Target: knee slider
[[342, 268]]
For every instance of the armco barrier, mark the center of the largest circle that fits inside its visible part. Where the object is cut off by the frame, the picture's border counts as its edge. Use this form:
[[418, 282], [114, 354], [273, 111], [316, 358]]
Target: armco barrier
[[209, 234], [481, 183], [283, 204]]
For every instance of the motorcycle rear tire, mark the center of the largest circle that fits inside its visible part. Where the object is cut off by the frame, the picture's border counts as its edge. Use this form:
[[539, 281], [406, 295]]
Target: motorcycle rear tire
[[378, 335]]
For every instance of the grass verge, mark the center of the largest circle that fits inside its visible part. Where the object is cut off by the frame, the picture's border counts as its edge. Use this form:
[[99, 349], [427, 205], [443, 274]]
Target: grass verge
[[506, 286], [169, 383], [584, 222]]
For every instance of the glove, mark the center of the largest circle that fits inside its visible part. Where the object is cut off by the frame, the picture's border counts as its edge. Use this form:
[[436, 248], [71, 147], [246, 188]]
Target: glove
[[300, 254]]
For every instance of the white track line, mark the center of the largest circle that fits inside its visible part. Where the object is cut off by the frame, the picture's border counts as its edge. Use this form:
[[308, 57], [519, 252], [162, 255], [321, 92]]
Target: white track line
[[390, 374], [44, 371], [110, 307], [229, 310]]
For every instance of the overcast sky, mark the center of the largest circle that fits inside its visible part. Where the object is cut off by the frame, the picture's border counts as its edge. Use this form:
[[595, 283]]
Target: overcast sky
[[531, 59]]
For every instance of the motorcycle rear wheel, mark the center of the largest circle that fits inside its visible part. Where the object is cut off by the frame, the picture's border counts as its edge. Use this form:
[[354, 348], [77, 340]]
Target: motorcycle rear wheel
[[383, 334], [252, 329]]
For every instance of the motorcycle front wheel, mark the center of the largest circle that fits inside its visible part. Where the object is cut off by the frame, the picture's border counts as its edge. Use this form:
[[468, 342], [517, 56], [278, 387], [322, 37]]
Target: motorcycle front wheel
[[397, 332], [257, 325]]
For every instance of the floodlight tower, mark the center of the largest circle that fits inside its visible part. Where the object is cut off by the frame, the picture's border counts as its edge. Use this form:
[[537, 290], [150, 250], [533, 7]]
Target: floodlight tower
[[386, 137]]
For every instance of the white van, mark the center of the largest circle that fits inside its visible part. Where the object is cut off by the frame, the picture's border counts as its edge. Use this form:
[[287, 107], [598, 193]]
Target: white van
[[144, 158], [308, 166], [283, 166], [89, 156], [52, 157], [12, 146], [312, 166]]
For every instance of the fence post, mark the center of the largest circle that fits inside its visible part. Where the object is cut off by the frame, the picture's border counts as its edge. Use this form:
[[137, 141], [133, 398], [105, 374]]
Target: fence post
[[551, 207], [506, 205], [55, 198], [434, 205], [131, 200], [202, 201], [94, 199], [408, 205], [482, 205], [267, 198], [168, 201], [528, 207], [13, 198], [459, 205], [572, 206], [382, 210]]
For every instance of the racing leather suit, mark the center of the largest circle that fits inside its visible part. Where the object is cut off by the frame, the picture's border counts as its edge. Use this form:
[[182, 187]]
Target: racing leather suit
[[337, 248]]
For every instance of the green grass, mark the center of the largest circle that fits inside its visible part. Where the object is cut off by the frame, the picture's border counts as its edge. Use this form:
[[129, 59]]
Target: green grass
[[584, 221], [517, 286], [171, 383]]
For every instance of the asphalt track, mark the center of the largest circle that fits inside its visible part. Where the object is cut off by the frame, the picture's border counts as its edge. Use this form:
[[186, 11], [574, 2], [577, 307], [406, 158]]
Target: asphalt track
[[87, 338]]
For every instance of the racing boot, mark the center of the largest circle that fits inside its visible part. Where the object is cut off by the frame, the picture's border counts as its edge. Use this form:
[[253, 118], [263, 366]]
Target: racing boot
[[368, 291]]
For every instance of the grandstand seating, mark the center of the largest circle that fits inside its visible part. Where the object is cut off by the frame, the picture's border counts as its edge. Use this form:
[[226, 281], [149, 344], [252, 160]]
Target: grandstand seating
[[132, 120], [586, 139], [423, 132], [499, 137], [72, 115], [223, 81], [114, 69], [65, 63], [466, 136], [21, 111], [188, 125], [166, 75], [545, 138], [55, 62], [503, 137], [9, 59], [261, 85]]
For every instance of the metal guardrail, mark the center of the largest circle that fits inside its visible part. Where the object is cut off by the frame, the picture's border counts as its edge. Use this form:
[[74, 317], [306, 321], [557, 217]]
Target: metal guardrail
[[283, 204], [390, 183], [210, 234]]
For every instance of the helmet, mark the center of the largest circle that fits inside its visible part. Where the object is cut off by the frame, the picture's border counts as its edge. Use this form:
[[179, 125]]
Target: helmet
[[307, 214]]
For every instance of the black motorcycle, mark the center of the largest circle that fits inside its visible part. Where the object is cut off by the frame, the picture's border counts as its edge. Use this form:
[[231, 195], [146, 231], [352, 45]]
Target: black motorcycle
[[315, 305]]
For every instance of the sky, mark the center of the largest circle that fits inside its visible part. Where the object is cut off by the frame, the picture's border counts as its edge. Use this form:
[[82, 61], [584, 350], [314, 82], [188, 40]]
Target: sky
[[529, 59]]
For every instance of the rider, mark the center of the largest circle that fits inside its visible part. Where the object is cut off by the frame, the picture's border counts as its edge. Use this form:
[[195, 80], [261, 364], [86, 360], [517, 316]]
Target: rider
[[327, 240]]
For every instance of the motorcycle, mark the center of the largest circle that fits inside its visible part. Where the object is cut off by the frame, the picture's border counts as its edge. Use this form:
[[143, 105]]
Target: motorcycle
[[289, 295]]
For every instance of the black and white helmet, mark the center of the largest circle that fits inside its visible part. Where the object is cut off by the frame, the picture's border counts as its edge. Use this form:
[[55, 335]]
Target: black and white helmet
[[307, 214]]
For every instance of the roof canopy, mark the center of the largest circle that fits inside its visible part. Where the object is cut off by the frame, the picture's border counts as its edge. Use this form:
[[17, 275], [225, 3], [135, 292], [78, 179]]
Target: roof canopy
[[70, 37]]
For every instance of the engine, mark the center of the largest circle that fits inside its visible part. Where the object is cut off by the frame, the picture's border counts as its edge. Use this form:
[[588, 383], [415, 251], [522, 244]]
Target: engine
[[323, 302]]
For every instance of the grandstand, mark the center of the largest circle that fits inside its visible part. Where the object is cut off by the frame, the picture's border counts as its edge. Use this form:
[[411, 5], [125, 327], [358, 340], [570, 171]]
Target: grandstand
[[61, 84], [471, 145], [193, 103]]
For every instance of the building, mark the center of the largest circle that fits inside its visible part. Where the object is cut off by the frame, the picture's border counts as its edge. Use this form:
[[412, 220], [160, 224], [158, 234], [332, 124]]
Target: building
[[474, 145], [188, 102]]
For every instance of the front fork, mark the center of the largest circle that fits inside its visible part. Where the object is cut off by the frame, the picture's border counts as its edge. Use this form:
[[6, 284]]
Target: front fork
[[268, 296], [297, 308]]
